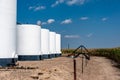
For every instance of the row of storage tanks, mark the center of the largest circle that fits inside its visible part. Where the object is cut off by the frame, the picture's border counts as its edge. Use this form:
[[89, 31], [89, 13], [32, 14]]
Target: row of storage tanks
[[24, 41], [35, 43]]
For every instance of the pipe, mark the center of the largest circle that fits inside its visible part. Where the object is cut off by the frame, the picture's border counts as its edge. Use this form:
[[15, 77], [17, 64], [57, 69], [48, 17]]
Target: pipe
[[74, 63]]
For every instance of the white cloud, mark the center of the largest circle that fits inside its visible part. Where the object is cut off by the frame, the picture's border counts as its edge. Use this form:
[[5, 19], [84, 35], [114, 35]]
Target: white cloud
[[44, 23], [69, 2], [50, 21], [57, 3], [39, 22], [90, 35], [71, 36], [72, 2], [104, 19], [31, 7], [37, 8], [84, 18], [66, 21]]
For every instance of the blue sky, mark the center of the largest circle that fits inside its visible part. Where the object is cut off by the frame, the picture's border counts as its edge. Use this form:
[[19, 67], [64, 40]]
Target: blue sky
[[93, 23]]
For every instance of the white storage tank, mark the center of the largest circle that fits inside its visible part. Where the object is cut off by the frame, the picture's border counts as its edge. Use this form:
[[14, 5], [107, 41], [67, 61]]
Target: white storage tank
[[28, 42], [7, 31], [52, 44], [45, 43], [58, 45]]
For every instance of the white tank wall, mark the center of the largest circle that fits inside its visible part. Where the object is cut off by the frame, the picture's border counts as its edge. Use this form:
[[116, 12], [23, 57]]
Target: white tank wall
[[58, 43], [7, 28], [28, 39], [52, 42], [45, 41]]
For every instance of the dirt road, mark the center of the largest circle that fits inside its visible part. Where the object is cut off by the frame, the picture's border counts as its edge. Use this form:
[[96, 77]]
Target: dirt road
[[98, 68]]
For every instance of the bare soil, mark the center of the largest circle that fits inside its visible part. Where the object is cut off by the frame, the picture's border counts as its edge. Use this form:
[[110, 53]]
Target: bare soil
[[98, 68]]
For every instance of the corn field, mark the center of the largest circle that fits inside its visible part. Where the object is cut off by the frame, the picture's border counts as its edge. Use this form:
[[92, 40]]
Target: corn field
[[111, 53]]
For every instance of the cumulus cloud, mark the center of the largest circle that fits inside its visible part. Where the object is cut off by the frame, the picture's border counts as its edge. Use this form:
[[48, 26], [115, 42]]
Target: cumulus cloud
[[39, 22], [104, 19], [31, 7], [84, 18], [37, 8], [72, 2], [50, 21], [44, 23], [57, 3], [71, 36], [90, 35], [66, 21], [68, 2]]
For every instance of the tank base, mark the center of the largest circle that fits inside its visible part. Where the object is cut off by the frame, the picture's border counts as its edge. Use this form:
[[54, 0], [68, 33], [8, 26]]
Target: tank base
[[45, 56], [4, 62], [56, 55], [49, 56], [59, 55], [52, 55], [41, 57], [16, 59], [28, 57]]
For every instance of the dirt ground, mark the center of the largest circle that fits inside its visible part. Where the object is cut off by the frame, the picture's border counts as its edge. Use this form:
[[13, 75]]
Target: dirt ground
[[98, 68]]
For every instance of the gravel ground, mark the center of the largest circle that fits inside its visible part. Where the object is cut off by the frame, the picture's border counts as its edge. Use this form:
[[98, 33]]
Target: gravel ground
[[98, 68]]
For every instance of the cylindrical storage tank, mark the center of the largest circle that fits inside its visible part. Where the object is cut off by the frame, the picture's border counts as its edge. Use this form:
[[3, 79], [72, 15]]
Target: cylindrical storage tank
[[45, 43], [28, 42], [52, 44], [58, 45], [7, 31]]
